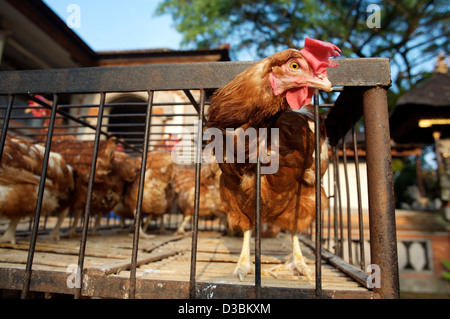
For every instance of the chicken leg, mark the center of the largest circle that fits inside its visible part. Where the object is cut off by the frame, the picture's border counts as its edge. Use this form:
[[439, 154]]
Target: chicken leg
[[296, 260], [180, 230], [244, 265], [55, 234], [10, 233]]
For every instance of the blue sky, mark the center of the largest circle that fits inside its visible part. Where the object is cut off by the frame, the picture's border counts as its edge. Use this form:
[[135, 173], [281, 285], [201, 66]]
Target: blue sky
[[127, 25], [120, 25]]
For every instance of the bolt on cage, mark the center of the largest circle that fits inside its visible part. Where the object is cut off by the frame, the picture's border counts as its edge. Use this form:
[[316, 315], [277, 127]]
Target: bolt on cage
[[361, 85]]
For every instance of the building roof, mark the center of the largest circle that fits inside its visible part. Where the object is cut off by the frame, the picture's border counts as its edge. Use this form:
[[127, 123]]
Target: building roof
[[430, 101], [37, 38], [434, 92], [155, 56]]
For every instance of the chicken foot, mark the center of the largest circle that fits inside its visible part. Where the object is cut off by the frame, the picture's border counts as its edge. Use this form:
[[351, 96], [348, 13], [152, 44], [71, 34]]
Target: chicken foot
[[244, 265], [295, 262]]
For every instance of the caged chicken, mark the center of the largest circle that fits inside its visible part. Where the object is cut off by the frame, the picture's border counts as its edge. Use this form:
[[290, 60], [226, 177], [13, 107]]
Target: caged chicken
[[20, 173], [124, 170], [210, 204], [260, 97], [113, 169], [79, 155], [158, 193]]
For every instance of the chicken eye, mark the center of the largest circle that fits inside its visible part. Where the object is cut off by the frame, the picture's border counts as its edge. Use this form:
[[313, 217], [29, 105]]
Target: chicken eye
[[294, 66]]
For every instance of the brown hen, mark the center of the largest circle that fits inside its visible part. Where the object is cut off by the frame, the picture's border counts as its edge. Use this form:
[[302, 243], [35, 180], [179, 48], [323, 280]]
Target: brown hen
[[158, 193], [210, 204], [20, 172], [260, 98]]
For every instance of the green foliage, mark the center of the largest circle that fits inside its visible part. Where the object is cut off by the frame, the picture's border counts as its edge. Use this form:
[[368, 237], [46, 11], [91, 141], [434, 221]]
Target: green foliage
[[410, 32]]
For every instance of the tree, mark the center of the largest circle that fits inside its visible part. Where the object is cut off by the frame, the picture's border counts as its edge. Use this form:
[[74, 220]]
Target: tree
[[408, 32]]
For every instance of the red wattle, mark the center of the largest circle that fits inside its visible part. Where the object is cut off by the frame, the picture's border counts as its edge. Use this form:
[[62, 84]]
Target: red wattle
[[297, 98]]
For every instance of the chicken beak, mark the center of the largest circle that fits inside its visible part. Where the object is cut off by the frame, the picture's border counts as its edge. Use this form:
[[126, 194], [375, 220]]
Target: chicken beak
[[320, 82]]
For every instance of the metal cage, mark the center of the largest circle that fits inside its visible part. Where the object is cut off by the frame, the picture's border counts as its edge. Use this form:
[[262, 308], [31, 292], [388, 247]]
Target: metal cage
[[361, 86]]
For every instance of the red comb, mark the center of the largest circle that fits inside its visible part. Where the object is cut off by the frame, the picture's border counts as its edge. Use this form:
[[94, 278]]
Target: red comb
[[317, 54]]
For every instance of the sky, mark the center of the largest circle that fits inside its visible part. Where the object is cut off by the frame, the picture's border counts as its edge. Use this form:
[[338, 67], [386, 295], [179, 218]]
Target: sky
[[117, 24], [108, 25]]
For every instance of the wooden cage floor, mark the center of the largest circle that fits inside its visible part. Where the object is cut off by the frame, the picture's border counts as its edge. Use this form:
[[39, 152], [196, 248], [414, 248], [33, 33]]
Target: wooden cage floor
[[166, 258]]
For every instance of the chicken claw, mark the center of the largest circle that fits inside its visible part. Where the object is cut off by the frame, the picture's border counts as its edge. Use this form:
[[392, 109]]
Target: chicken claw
[[244, 265], [295, 262], [298, 262]]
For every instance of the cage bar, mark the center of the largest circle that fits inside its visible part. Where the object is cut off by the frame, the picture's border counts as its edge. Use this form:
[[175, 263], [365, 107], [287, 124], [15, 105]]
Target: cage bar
[[318, 195], [198, 168], [258, 225], [87, 211], [37, 214], [358, 192], [138, 216]]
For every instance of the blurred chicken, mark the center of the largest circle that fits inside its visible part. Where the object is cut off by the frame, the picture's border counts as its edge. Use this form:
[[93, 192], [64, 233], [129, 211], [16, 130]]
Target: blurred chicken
[[128, 168], [158, 191], [79, 155], [113, 168], [20, 172], [210, 204], [125, 169], [260, 97]]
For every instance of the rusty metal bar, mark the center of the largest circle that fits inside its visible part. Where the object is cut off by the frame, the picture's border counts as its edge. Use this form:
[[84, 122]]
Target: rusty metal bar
[[349, 213], [360, 213], [40, 199], [318, 248], [383, 238], [116, 287], [337, 203], [329, 208], [138, 216], [6, 124], [87, 211], [340, 220], [198, 167], [177, 76], [258, 226]]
